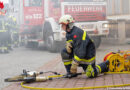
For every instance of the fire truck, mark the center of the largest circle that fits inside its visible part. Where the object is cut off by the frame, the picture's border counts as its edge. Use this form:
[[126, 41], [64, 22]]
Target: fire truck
[[40, 25]]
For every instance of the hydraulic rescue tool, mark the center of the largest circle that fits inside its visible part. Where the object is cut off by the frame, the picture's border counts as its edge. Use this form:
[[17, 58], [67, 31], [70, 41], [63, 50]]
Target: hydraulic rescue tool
[[23, 76], [30, 76]]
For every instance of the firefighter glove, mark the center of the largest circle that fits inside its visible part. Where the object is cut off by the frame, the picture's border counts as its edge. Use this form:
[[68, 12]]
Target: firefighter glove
[[69, 47], [74, 66]]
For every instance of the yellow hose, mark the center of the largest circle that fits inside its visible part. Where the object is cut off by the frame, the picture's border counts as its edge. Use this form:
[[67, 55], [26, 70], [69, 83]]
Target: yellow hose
[[55, 76], [107, 86], [117, 72], [38, 88]]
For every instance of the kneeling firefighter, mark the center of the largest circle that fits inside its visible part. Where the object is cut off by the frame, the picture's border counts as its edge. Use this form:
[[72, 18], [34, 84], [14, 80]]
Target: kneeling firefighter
[[80, 50]]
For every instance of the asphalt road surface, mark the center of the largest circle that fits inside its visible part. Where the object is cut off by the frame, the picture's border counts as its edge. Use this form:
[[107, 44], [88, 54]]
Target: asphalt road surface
[[21, 58]]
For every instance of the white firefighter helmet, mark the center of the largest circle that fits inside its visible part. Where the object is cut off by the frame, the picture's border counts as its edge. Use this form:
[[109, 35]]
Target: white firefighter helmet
[[66, 19]]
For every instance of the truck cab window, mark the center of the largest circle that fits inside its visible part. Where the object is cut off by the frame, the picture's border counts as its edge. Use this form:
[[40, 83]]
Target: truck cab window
[[84, 0], [56, 3], [33, 3], [26, 3]]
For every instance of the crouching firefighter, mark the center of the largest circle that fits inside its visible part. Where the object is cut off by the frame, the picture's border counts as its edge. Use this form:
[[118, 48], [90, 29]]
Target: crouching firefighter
[[79, 50]]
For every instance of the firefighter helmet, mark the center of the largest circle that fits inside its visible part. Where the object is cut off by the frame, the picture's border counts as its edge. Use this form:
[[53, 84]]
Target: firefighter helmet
[[66, 19]]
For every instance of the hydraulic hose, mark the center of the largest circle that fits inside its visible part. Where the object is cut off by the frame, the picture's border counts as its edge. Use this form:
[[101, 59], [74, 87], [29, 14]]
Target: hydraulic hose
[[81, 88], [116, 72]]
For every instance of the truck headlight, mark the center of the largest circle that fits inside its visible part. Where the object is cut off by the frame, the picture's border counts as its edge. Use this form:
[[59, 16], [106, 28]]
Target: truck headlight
[[105, 25]]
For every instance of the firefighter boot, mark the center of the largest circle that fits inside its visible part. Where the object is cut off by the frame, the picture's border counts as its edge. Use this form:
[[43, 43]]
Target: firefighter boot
[[5, 49], [10, 48], [102, 67], [69, 74], [90, 71], [0, 49]]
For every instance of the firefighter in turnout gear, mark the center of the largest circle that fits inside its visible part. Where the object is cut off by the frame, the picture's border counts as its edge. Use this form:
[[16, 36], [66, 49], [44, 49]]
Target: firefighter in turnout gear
[[11, 26], [15, 38], [3, 38], [8, 26], [15, 34], [79, 50]]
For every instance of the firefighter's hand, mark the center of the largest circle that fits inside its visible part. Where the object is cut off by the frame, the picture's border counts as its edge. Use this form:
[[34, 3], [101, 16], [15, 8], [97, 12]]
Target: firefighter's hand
[[74, 66], [69, 47]]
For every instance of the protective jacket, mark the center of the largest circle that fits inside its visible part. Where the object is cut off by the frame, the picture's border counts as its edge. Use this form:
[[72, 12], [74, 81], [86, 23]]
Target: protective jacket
[[83, 46]]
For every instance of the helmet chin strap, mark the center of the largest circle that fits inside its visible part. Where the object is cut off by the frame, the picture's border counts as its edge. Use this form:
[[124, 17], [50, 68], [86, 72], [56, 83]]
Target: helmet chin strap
[[67, 28]]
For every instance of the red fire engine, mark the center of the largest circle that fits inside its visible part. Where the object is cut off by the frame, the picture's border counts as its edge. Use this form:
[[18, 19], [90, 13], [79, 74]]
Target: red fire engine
[[40, 20]]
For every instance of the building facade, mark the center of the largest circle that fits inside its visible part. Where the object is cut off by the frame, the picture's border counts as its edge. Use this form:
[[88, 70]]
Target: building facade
[[14, 9], [118, 8], [118, 13]]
